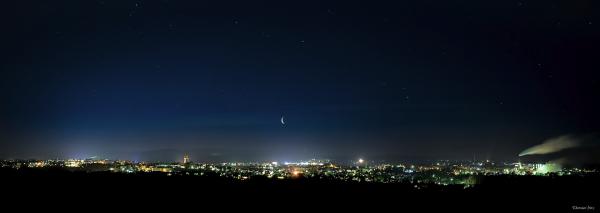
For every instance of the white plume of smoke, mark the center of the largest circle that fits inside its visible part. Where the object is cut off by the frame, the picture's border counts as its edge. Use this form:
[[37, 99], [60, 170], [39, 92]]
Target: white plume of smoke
[[552, 145]]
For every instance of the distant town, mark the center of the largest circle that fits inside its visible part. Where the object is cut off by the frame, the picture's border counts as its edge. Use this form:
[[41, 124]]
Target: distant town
[[443, 172]]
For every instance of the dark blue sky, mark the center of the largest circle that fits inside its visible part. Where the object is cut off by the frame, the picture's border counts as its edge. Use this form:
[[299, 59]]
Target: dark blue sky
[[389, 80]]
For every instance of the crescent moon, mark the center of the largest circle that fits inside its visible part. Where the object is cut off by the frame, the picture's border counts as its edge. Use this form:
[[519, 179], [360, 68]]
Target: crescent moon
[[282, 121]]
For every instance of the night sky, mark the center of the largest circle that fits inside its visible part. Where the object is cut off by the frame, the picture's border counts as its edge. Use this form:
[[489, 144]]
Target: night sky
[[385, 80]]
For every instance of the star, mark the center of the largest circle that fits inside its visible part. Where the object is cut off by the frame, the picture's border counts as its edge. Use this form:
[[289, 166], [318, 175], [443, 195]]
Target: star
[[383, 84], [266, 35]]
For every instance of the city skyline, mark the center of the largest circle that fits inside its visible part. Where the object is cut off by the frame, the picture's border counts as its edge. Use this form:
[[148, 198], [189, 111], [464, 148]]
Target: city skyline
[[312, 106]]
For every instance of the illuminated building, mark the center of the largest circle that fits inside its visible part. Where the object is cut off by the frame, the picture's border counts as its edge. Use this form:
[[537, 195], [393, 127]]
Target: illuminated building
[[186, 158], [73, 163]]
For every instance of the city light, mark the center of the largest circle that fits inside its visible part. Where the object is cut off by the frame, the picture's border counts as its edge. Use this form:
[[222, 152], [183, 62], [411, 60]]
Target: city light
[[438, 173]]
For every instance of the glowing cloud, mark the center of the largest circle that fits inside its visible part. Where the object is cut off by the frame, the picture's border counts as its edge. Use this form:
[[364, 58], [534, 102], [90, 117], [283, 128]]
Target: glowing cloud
[[552, 145]]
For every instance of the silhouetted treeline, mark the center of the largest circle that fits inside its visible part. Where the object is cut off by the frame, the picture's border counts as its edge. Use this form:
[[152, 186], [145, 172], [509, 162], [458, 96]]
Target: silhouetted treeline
[[555, 192]]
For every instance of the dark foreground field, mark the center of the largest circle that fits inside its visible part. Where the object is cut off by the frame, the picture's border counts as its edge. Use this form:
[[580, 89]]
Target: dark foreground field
[[508, 193]]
